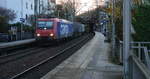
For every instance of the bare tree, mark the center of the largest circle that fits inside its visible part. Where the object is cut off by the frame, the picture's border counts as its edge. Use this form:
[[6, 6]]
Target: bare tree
[[71, 8], [8, 14]]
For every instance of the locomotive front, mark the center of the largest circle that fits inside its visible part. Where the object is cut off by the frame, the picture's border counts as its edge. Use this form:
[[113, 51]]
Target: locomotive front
[[45, 30]]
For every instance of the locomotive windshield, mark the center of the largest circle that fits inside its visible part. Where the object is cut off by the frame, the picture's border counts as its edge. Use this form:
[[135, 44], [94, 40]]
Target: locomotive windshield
[[45, 24]]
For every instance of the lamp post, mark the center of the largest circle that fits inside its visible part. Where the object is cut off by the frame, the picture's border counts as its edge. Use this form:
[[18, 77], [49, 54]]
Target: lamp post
[[126, 36], [113, 28], [35, 12]]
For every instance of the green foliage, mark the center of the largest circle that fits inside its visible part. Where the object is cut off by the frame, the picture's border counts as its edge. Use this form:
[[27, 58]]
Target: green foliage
[[3, 25], [6, 15], [118, 18], [9, 14], [26, 28], [119, 28], [141, 22]]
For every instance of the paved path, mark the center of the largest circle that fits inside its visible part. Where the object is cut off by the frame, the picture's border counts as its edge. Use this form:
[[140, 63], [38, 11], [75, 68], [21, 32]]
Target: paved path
[[90, 62]]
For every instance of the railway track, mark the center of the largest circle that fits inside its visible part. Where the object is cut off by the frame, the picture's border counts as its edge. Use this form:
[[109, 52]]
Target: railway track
[[7, 51], [14, 56], [52, 57], [22, 53], [15, 53]]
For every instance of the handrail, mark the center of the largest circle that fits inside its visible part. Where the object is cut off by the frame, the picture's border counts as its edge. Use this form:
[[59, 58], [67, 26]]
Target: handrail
[[136, 47], [147, 57], [140, 58], [141, 66], [136, 42], [140, 42]]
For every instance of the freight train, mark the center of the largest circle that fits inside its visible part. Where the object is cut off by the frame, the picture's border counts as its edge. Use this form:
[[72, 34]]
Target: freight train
[[57, 29]]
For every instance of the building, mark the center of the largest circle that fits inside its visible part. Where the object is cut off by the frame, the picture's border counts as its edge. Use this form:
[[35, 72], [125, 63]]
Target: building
[[23, 8]]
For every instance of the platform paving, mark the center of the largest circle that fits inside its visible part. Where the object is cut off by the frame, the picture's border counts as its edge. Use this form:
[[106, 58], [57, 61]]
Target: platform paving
[[15, 43], [90, 62]]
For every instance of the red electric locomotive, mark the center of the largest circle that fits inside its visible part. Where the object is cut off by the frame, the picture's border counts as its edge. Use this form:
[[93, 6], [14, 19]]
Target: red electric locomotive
[[53, 29]]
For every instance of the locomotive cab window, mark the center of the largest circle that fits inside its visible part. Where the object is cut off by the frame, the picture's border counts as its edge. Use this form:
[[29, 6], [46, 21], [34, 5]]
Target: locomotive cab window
[[45, 24]]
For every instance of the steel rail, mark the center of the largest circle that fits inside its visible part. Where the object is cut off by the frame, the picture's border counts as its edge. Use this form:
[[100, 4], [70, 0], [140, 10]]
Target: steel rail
[[20, 55], [17, 52]]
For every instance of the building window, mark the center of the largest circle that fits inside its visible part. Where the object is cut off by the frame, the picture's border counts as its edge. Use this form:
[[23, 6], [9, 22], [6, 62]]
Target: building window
[[26, 16], [31, 7], [26, 5]]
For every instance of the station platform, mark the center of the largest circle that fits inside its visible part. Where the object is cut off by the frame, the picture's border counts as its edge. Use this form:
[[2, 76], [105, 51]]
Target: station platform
[[90, 62], [15, 43]]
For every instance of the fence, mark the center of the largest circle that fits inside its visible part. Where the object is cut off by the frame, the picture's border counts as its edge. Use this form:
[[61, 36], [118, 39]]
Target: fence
[[6, 37], [25, 35], [139, 60]]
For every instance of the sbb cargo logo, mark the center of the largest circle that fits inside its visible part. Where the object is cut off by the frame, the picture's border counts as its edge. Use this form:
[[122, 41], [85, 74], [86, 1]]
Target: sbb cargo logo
[[64, 29]]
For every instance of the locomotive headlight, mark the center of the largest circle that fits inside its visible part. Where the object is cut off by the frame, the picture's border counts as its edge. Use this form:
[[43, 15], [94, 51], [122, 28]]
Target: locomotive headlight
[[51, 34], [45, 28], [38, 35]]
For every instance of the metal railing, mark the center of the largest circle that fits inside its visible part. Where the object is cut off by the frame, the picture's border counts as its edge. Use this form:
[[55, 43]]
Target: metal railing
[[139, 60], [140, 49]]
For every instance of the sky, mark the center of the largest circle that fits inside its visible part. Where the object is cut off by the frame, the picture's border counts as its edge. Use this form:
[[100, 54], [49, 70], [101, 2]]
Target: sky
[[86, 5]]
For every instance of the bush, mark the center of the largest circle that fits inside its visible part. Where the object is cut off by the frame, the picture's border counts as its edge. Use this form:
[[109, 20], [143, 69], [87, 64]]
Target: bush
[[6, 15], [3, 25], [141, 22]]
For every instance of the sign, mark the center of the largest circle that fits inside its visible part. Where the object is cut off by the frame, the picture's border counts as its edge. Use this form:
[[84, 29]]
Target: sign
[[13, 30], [103, 21], [22, 19]]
